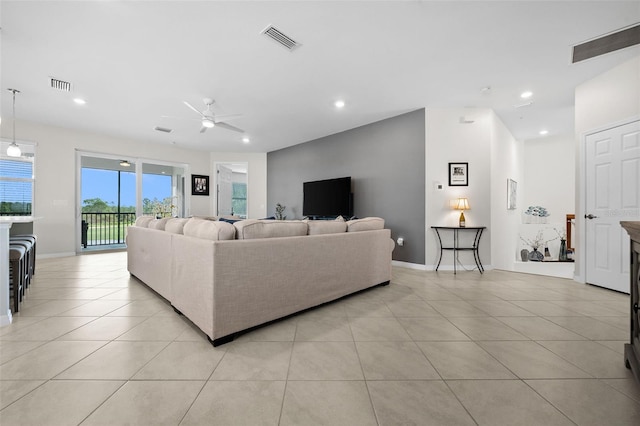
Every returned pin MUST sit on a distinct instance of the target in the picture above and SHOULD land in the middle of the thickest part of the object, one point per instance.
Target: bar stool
(28, 246)
(31, 238)
(34, 239)
(18, 266)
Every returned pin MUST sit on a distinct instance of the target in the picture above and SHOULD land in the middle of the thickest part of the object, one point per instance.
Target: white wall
(549, 175)
(55, 171)
(256, 179)
(609, 99)
(448, 141)
(506, 163)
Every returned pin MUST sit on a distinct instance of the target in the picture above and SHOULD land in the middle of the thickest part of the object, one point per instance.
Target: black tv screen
(331, 197)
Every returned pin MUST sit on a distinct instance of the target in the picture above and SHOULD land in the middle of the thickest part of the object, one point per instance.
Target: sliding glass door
(108, 201)
(113, 192)
(162, 190)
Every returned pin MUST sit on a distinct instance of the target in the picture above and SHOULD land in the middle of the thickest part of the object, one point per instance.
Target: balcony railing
(99, 229)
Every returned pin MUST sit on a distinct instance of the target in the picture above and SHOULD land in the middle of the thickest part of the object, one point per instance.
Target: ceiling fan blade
(228, 127)
(203, 129)
(227, 116)
(180, 118)
(192, 107)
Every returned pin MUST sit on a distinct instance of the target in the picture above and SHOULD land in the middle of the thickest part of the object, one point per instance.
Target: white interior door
(225, 190)
(612, 195)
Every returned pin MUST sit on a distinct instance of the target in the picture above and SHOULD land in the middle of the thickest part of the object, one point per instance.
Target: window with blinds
(16, 186)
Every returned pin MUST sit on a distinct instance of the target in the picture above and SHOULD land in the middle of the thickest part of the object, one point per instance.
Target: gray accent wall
(386, 162)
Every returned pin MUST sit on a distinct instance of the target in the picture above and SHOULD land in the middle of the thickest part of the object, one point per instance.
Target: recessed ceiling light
(526, 95)
(339, 104)
(246, 140)
(79, 101)
(544, 132)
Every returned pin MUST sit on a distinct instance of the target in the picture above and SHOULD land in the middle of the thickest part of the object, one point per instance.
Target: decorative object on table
(458, 174)
(562, 254)
(537, 243)
(536, 214)
(461, 204)
(512, 192)
(570, 252)
(536, 256)
(524, 255)
(279, 212)
(547, 255)
(199, 185)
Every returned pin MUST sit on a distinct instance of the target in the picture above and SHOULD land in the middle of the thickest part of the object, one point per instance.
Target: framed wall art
(199, 185)
(458, 174)
(512, 192)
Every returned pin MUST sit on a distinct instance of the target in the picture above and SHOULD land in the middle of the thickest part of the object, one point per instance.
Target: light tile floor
(93, 345)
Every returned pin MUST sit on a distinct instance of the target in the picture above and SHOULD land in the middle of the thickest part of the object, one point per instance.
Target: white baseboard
(408, 265)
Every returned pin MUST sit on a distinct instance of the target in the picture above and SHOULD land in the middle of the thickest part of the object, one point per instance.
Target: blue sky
(103, 184)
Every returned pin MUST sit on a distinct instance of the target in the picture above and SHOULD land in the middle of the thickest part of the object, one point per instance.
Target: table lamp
(461, 204)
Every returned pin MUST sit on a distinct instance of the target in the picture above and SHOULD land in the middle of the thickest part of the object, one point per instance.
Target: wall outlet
(400, 241)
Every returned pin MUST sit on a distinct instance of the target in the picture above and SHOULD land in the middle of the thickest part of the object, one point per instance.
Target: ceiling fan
(209, 119)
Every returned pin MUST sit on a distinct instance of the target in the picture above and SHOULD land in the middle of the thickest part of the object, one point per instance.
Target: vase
(536, 256)
(562, 255)
(524, 255)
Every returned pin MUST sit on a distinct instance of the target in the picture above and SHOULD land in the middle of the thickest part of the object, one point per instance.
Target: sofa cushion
(318, 227)
(365, 224)
(158, 223)
(205, 217)
(175, 225)
(143, 221)
(253, 228)
(208, 229)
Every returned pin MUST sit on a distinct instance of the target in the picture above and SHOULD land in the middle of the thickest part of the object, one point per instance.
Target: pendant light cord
(13, 121)
(13, 150)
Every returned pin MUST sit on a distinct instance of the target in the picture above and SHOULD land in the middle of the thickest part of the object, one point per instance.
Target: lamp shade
(461, 204)
(13, 150)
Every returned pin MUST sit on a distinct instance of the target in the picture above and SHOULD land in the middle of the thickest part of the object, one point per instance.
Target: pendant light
(13, 150)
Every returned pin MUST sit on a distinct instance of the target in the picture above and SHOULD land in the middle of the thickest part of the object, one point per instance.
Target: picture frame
(199, 185)
(512, 193)
(458, 174)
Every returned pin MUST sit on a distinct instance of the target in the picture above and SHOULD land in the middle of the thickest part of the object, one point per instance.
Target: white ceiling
(135, 61)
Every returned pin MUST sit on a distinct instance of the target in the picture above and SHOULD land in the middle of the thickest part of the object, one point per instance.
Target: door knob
(589, 216)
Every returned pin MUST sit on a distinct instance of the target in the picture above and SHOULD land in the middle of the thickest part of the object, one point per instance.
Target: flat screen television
(328, 198)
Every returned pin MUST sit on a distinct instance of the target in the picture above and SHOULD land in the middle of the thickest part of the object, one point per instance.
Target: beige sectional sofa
(227, 278)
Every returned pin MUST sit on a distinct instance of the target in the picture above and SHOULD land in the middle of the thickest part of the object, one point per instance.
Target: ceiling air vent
(163, 129)
(65, 86)
(280, 38)
(609, 43)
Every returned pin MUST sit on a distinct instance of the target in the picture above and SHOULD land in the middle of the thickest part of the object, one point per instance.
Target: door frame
(580, 273)
(214, 205)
